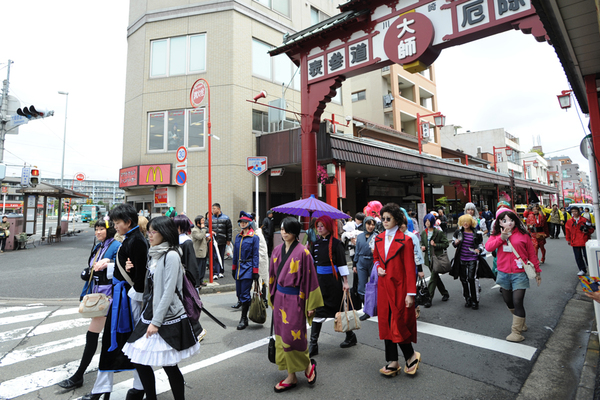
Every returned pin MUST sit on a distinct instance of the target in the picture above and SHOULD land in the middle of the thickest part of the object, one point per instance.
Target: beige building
(171, 44)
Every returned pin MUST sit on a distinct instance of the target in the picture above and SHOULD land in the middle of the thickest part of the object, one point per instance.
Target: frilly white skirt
(156, 352)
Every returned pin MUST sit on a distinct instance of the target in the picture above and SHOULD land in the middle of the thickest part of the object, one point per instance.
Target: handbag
(422, 297)
(94, 304)
(441, 264)
(258, 311)
(271, 347)
(528, 266)
(354, 295)
(370, 307)
(347, 320)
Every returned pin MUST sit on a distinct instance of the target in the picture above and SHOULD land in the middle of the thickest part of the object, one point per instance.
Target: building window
(260, 121)
(178, 56)
(317, 16)
(362, 95)
(167, 130)
(279, 69)
(281, 6)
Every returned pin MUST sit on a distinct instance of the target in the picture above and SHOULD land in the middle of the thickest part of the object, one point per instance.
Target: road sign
(25, 175)
(181, 154)
(256, 165)
(181, 177)
(80, 176)
(197, 93)
(4, 189)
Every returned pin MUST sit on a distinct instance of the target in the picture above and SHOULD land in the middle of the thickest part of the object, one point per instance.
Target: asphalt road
(464, 352)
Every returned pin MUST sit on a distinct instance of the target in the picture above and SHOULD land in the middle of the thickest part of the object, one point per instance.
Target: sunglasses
(386, 219)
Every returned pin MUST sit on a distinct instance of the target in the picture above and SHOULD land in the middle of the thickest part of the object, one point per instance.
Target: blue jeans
(364, 272)
(581, 258)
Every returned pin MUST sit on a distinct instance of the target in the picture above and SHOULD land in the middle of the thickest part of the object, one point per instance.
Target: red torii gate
(371, 34)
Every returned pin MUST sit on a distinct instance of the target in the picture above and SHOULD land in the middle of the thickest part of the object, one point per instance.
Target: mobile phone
(590, 284)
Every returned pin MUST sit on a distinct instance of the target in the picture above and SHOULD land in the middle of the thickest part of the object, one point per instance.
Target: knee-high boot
(512, 311)
(315, 331)
(244, 320)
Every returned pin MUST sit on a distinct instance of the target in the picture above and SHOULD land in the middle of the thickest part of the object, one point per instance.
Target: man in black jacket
(221, 225)
(268, 230)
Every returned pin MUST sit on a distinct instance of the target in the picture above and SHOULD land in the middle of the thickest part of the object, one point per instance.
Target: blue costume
(245, 263)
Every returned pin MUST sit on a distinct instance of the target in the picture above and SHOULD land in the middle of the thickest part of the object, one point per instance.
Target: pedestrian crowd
(144, 266)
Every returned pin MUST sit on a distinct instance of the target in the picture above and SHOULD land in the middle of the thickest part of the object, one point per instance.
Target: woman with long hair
(509, 235)
(396, 290)
(164, 334)
(103, 253)
(332, 272)
(294, 295)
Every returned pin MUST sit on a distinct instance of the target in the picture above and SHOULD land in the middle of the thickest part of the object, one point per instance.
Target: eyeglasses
(152, 233)
(386, 219)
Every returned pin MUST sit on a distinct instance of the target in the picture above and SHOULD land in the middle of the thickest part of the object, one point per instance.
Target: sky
(506, 81)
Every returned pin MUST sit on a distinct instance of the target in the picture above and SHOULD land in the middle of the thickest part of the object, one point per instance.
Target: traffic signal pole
(4, 118)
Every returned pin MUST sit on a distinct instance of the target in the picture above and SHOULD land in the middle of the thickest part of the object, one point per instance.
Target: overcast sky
(508, 81)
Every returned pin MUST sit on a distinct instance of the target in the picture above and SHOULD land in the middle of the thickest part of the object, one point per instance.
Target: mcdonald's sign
(155, 174)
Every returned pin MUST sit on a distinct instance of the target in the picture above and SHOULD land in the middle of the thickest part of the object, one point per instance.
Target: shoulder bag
(440, 264)
(346, 320)
(370, 307)
(94, 304)
(528, 266)
(258, 311)
(422, 297)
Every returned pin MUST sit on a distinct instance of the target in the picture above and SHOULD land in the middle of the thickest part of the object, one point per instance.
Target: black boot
(264, 295)
(244, 320)
(135, 394)
(313, 348)
(350, 340)
(237, 305)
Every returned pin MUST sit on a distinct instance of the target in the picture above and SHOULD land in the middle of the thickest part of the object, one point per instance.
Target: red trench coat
(400, 279)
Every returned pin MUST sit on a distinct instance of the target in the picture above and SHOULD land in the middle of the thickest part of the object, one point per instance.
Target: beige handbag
(94, 304)
(527, 266)
(346, 320)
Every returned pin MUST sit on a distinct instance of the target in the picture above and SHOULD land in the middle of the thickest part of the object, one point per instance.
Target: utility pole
(4, 118)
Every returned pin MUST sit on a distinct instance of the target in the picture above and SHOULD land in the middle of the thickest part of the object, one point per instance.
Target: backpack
(190, 298)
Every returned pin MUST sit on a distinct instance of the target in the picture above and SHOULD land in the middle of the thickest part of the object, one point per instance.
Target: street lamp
(508, 154)
(334, 122)
(535, 165)
(62, 169)
(564, 99)
(439, 120)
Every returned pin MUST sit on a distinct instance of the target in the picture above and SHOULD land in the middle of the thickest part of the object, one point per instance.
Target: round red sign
(80, 176)
(408, 38)
(197, 93)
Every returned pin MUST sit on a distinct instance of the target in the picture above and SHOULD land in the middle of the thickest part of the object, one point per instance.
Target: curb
(20, 301)
(589, 372)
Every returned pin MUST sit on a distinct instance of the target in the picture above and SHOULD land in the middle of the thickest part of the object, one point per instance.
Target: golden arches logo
(154, 171)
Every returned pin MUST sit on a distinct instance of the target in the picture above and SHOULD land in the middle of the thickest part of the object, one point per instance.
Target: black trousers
(2, 243)
(201, 268)
(391, 350)
(468, 273)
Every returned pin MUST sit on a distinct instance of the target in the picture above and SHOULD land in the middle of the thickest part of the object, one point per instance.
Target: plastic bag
(229, 251)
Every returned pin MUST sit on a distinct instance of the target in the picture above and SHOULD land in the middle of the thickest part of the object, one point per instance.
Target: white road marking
(23, 318)
(32, 352)
(4, 310)
(474, 339)
(30, 331)
(41, 379)
(162, 383)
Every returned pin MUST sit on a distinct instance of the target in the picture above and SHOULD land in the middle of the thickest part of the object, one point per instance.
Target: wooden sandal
(415, 364)
(387, 371)
(313, 372)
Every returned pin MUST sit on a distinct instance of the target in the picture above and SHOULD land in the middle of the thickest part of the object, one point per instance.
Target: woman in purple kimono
(294, 297)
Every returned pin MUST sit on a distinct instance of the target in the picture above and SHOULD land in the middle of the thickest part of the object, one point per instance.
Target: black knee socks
(175, 380)
(91, 344)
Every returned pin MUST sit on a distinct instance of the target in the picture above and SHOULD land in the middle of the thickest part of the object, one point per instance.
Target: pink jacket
(507, 260)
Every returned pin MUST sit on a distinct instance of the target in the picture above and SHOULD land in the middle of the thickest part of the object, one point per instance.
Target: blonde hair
(465, 218)
(143, 223)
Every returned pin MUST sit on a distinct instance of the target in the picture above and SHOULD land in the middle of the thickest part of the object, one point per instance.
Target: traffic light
(32, 112)
(34, 177)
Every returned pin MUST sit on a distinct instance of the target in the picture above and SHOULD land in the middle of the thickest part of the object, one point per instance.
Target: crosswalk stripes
(59, 329)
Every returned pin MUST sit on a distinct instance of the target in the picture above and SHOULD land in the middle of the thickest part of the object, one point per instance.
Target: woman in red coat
(396, 289)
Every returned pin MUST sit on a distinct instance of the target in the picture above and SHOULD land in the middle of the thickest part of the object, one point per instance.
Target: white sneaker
(221, 276)
(580, 273)
(215, 277)
(202, 334)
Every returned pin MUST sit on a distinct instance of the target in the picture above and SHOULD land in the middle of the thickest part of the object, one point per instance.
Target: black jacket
(483, 268)
(267, 228)
(134, 248)
(188, 259)
(221, 225)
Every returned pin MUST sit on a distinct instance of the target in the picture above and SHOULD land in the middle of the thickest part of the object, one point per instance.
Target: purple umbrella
(310, 207)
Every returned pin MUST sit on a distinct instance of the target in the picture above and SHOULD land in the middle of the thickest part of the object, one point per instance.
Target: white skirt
(154, 351)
